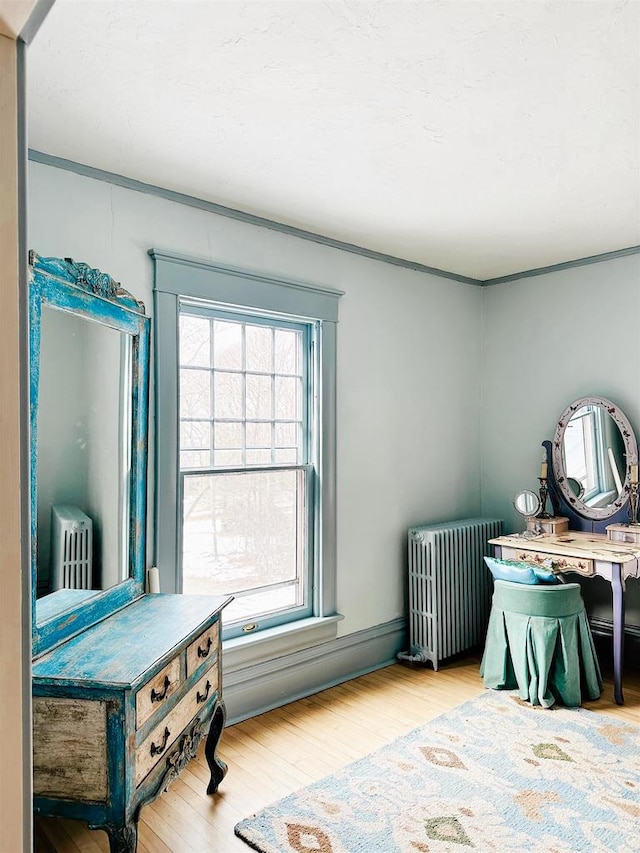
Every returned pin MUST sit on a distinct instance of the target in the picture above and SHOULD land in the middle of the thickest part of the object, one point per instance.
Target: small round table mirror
(527, 504)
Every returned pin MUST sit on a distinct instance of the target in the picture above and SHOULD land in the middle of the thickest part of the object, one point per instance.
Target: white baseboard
(260, 687)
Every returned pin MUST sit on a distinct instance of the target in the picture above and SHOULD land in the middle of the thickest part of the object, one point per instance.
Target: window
(589, 447)
(245, 442)
(247, 463)
(582, 458)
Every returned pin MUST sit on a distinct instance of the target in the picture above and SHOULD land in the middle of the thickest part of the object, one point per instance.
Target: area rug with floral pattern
(493, 774)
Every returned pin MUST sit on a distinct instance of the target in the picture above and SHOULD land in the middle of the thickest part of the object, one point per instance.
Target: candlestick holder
(544, 491)
(633, 505)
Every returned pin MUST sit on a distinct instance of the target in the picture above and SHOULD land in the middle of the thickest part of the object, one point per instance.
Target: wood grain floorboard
(283, 750)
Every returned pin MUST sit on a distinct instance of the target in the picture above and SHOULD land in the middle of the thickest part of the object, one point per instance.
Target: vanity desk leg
(617, 587)
(217, 767)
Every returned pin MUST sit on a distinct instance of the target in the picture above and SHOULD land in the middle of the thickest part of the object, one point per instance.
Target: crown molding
(292, 231)
(239, 215)
(565, 265)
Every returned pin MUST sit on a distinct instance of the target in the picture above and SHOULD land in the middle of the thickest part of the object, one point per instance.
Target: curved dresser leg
(217, 767)
(123, 839)
(617, 587)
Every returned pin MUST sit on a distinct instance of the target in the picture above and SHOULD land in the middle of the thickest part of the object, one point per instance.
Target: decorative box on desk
(555, 524)
(624, 533)
(119, 710)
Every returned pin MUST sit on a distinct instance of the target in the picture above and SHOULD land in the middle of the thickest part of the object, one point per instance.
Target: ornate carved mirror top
(593, 451)
(89, 354)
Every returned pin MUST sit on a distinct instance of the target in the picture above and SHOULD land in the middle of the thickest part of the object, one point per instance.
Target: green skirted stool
(539, 642)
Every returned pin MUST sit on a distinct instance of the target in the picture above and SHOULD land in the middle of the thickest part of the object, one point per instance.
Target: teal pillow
(510, 570)
(545, 575)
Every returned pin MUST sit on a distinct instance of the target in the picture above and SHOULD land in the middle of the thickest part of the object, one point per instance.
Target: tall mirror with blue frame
(89, 378)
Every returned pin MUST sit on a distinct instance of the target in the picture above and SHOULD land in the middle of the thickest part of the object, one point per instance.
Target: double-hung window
(245, 442)
(248, 462)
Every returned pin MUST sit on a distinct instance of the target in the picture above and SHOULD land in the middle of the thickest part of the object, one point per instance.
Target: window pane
(258, 457)
(287, 351)
(580, 454)
(227, 345)
(287, 397)
(247, 608)
(228, 435)
(258, 435)
(258, 348)
(287, 456)
(195, 459)
(195, 347)
(287, 435)
(195, 393)
(228, 458)
(227, 395)
(242, 531)
(258, 396)
(195, 435)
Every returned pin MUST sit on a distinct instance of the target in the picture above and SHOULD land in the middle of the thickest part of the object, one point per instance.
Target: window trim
(181, 277)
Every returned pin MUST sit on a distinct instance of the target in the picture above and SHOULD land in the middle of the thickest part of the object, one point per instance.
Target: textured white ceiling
(483, 138)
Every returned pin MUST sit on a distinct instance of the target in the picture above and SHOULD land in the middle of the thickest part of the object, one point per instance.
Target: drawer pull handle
(202, 697)
(158, 695)
(202, 653)
(158, 750)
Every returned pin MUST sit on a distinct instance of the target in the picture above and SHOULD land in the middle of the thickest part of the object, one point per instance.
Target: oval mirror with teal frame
(89, 390)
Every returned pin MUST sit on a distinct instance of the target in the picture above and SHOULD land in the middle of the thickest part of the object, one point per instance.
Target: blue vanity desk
(120, 709)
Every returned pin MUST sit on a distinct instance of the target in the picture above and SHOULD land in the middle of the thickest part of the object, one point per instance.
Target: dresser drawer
(202, 650)
(553, 561)
(154, 693)
(158, 742)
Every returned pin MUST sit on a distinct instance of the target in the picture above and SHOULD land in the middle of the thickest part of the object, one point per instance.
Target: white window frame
(180, 277)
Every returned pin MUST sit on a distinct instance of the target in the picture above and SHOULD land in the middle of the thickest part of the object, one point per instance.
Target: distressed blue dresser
(120, 709)
(125, 684)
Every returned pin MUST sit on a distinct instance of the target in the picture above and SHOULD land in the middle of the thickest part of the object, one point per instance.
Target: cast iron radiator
(450, 588)
(72, 548)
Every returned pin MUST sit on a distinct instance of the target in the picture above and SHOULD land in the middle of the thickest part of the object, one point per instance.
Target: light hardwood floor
(274, 754)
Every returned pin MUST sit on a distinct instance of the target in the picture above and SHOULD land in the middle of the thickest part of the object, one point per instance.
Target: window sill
(275, 642)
